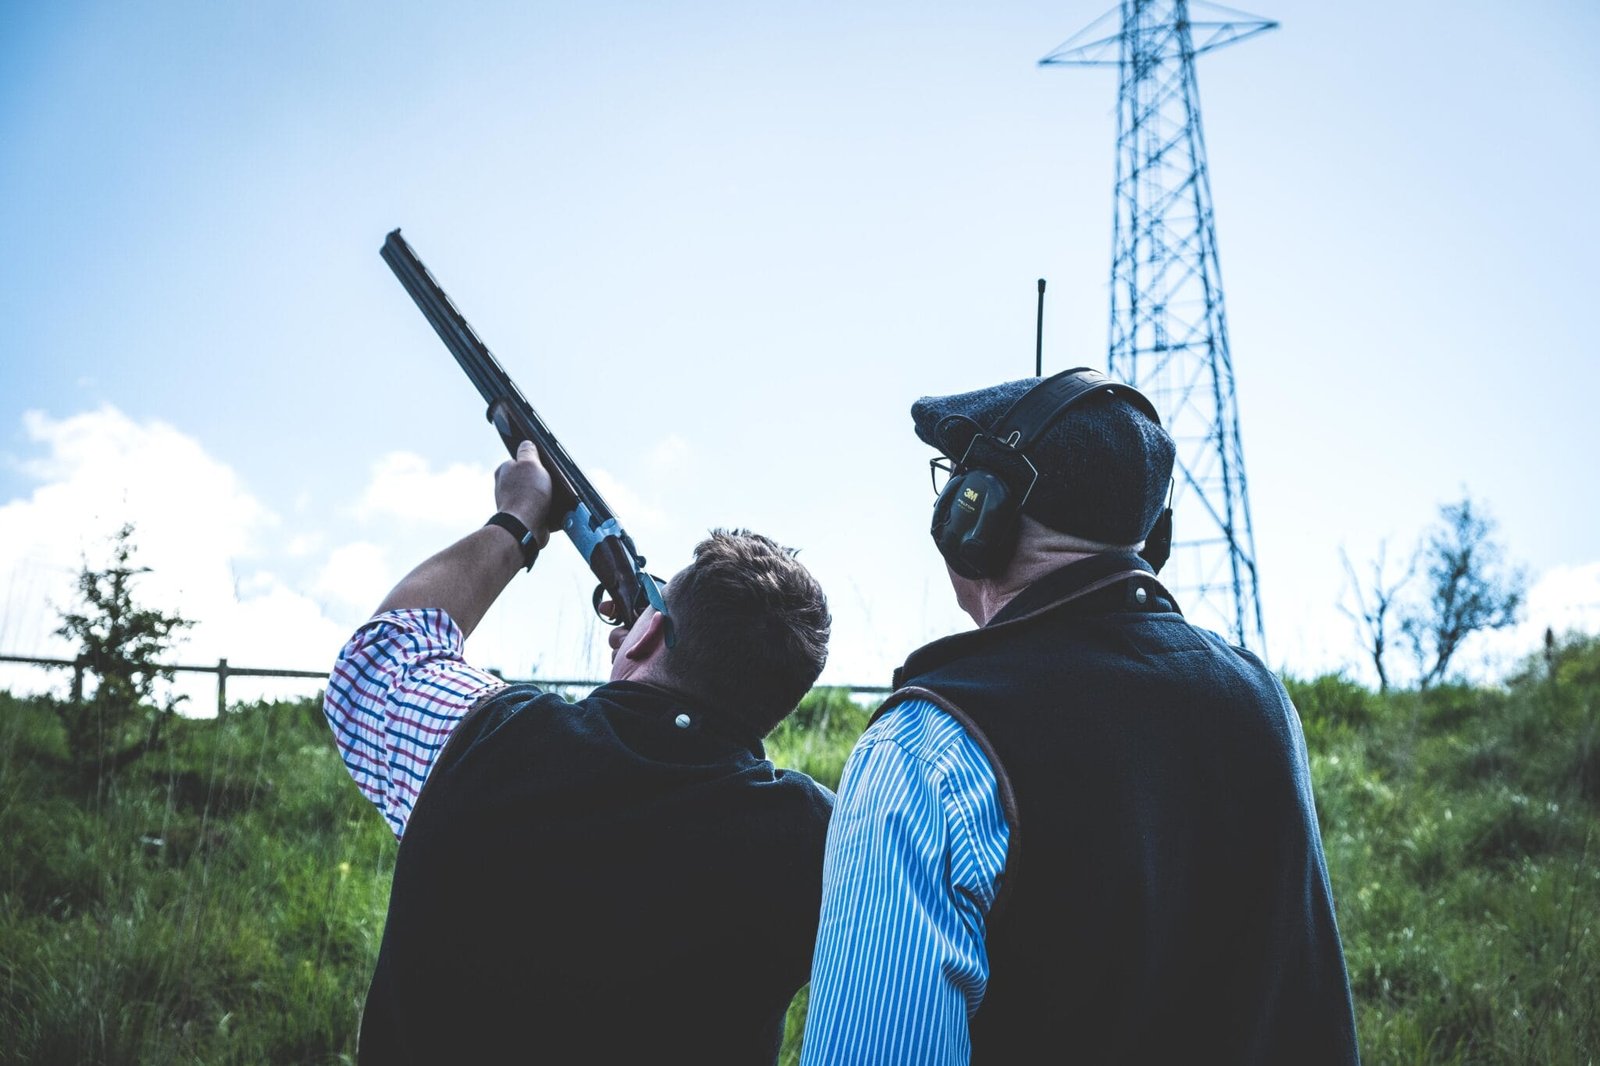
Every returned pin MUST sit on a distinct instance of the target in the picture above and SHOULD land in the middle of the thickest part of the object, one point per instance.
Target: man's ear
(652, 638)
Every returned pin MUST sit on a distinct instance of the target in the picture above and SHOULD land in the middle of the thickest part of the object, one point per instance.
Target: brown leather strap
(1093, 586)
(1008, 796)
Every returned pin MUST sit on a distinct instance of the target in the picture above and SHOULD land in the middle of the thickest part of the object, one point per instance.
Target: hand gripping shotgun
(576, 507)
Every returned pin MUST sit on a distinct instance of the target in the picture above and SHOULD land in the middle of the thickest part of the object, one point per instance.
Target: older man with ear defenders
(1083, 832)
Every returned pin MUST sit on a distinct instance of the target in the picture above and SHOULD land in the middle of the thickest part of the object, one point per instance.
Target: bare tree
(1470, 588)
(1375, 606)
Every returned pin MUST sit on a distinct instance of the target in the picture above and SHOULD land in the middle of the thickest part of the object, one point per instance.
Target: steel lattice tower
(1169, 332)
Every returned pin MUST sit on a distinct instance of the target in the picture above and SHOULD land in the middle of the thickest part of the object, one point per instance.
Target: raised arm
(465, 578)
(401, 686)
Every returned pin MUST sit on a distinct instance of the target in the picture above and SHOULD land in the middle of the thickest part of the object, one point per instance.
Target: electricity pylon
(1169, 332)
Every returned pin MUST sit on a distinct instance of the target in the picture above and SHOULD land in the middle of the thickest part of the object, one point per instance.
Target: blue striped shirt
(915, 850)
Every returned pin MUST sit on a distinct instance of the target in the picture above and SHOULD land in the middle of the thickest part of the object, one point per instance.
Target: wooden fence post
(222, 688)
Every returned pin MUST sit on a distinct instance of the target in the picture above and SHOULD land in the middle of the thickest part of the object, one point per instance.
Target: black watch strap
(525, 539)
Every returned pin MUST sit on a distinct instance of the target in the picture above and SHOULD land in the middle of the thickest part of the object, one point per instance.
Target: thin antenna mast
(1038, 337)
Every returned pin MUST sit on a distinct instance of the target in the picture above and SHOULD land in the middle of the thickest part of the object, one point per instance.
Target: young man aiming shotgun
(621, 879)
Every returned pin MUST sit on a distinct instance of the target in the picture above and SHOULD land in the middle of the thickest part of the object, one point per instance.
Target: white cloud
(261, 595)
(1565, 600)
(668, 453)
(302, 545)
(275, 626)
(193, 520)
(405, 486)
(101, 468)
(357, 575)
(626, 504)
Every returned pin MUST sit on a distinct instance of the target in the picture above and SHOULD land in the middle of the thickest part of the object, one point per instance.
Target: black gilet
(596, 883)
(1165, 897)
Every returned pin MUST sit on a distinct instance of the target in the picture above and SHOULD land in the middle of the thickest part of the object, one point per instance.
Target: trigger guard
(599, 594)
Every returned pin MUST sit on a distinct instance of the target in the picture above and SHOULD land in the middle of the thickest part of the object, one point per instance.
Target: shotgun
(576, 506)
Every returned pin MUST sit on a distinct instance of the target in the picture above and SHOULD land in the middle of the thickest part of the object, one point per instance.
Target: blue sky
(723, 247)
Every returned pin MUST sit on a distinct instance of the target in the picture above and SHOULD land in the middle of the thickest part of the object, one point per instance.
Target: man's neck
(992, 596)
(1040, 551)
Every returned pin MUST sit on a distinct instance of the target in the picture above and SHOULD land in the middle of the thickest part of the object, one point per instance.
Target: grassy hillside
(223, 900)
(1462, 827)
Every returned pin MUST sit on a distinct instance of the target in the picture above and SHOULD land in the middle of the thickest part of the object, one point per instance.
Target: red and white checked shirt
(398, 690)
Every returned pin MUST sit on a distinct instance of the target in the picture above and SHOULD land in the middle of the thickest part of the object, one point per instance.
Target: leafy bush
(1330, 702)
(119, 645)
(816, 739)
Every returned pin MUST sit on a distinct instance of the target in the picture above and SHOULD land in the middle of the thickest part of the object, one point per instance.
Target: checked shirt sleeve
(399, 688)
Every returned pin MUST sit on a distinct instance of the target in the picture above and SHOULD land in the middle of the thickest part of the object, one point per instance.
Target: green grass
(816, 739)
(223, 900)
(1462, 829)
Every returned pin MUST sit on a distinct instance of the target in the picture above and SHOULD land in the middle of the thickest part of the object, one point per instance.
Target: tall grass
(220, 902)
(223, 900)
(816, 739)
(1462, 827)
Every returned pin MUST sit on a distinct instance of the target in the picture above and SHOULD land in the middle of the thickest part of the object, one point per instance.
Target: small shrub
(119, 645)
(1489, 759)
(816, 739)
(1511, 827)
(1577, 661)
(1446, 708)
(1331, 701)
(1584, 772)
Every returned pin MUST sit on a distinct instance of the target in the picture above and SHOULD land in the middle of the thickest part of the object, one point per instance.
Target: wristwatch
(525, 539)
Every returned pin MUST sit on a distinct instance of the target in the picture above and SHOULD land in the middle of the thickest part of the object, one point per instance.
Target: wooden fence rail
(224, 671)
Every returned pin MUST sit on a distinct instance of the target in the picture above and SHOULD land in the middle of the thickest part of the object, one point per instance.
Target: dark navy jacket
(593, 883)
(1165, 897)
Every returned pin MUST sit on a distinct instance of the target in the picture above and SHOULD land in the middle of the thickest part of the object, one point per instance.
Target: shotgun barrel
(577, 508)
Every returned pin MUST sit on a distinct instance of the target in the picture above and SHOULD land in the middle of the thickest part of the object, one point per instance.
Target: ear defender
(978, 516)
(1158, 544)
(975, 525)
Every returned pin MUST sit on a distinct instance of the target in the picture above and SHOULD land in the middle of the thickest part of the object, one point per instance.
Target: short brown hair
(751, 627)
